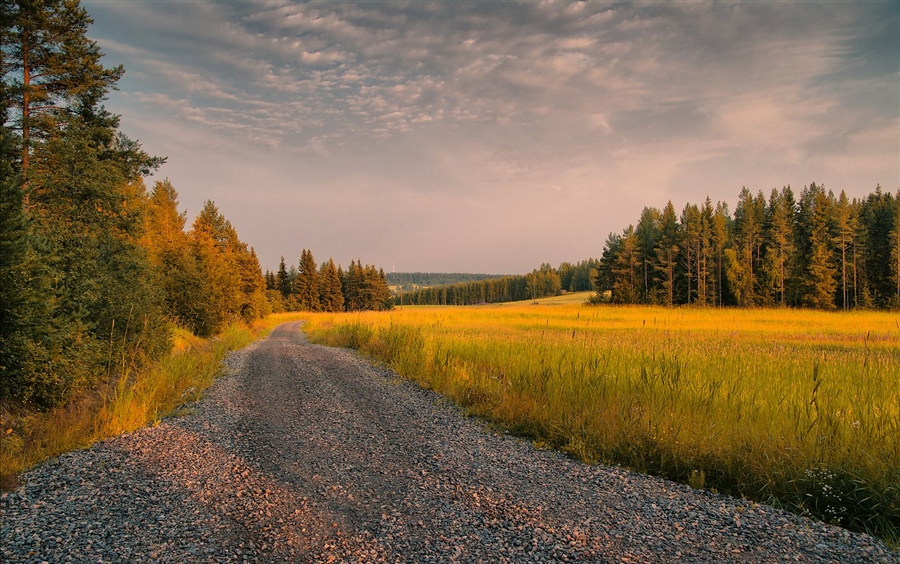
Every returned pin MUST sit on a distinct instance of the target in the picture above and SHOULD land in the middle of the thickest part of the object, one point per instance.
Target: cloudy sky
(494, 136)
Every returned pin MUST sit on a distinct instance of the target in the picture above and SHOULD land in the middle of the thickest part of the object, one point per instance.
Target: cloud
(380, 70)
(498, 105)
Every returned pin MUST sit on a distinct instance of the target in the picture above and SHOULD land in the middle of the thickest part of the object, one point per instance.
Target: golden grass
(793, 407)
(132, 400)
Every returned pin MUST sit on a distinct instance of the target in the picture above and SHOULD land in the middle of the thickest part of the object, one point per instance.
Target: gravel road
(305, 453)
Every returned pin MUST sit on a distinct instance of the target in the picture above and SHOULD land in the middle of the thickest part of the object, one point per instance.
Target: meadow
(795, 408)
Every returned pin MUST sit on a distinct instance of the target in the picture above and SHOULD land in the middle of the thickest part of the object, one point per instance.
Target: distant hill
(434, 278)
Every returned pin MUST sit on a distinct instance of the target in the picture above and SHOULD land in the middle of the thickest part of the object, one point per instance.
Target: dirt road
(310, 454)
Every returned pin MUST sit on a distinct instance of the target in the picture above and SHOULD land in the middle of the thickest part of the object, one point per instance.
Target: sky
(495, 136)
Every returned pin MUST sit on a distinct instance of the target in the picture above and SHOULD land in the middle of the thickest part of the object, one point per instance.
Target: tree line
(326, 287)
(206, 277)
(539, 283)
(819, 251)
(410, 280)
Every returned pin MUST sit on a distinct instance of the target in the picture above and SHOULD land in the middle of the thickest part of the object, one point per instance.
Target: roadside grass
(126, 402)
(798, 409)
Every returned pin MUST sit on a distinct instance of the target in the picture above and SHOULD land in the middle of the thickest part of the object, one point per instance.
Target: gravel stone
(311, 454)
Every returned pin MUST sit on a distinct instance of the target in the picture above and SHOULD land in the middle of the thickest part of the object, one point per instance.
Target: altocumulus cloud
(494, 136)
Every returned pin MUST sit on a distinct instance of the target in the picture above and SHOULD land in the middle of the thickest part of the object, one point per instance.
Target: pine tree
(51, 70)
(706, 284)
(692, 243)
(666, 251)
(845, 224)
(719, 239)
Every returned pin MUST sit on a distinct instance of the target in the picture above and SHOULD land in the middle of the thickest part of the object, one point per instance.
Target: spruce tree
(381, 293)
(350, 286)
(331, 297)
(283, 282)
(566, 272)
(168, 248)
(819, 281)
(743, 258)
(778, 237)
(221, 298)
(306, 286)
(254, 303)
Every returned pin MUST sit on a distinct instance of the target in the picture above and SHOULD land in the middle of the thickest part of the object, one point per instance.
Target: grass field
(800, 409)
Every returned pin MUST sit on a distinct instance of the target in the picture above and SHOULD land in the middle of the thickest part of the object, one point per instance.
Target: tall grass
(130, 400)
(799, 409)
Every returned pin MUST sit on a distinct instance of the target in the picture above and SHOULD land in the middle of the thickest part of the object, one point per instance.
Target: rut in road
(308, 453)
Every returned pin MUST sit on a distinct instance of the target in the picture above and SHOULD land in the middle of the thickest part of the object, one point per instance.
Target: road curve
(305, 453)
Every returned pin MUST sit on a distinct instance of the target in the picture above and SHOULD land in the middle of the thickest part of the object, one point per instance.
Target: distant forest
(819, 251)
(409, 280)
(541, 282)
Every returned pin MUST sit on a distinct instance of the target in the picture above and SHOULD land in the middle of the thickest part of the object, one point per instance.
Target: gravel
(311, 454)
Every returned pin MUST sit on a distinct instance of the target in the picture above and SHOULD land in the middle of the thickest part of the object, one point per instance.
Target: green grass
(799, 409)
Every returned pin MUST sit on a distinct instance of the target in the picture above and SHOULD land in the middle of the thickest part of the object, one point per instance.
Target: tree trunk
(844, 267)
(26, 110)
(855, 288)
